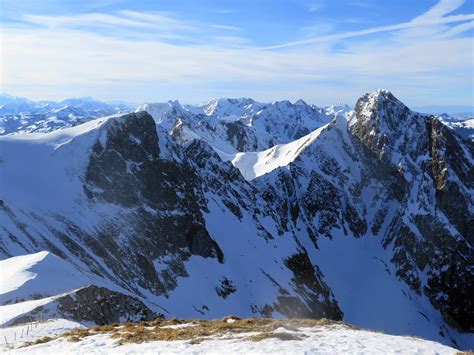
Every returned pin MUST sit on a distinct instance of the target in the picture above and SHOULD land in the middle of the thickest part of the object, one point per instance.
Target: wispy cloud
(442, 8)
(321, 27)
(158, 19)
(138, 25)
(433, 17)
(167, 57)
(315, 6)
(226, 27)
(122, 20)
(453, 31)
(92, 20)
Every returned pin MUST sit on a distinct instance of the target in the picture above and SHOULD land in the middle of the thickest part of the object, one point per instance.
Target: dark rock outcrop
(91, 305)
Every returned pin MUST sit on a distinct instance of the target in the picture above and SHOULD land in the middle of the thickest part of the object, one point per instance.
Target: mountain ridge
(166, 214)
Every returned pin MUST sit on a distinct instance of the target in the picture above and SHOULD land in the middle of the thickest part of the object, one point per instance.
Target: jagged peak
(226, 105)
(388, 127)
(377, 97)
(283, 103)
(380, 108)
(300, 102)
(161, 112)
(333, 110)
(298, 105)
(235, 100)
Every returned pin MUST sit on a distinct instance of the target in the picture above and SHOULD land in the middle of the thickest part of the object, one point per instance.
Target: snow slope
(18, 336)
(325, 339)
(378, 301)
(34, 280)
(10, 312)
(255, 164)
(38, 275)
(52, 150)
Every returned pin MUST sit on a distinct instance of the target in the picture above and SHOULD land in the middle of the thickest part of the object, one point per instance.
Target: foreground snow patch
(20, 335)
(334, 338)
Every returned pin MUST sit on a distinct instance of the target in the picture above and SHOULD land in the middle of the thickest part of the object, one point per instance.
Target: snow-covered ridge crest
(240, 125)
(255, 164)
(59, 137)
(224, 107)
(35, 283)
(31, 276)
(64, 152)
(160, 111)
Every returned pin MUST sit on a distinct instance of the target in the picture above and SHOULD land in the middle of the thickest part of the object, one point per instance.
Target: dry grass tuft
(102, 328)
(38, 341)
(77, 334)
(198, 330)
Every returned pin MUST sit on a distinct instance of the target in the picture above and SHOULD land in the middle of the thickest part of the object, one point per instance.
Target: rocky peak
(387, 127)
(301, 102)
(165, 113)
(382, 111)
(228, 106)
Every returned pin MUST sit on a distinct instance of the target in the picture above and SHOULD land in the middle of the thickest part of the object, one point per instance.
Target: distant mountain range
(20, 115)
(457, 111)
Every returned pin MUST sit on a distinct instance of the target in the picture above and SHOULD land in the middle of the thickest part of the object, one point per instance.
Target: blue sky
(324, 51)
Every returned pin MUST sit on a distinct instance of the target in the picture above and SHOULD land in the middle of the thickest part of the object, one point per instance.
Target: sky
(323, 51)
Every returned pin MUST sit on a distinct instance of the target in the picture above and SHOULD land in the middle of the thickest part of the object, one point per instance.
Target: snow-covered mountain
(20, 115)
(282, 210)
(240, 125)
(462, 126)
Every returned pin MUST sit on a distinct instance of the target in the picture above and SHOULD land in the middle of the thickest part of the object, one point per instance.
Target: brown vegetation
(198, 330)
(38, 341)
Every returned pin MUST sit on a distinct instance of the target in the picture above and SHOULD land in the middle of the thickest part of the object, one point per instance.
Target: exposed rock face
(185, 232)
(124, 170)
(99, 305)
(91, 305)
(307, 281)
(438, 188)
(127, 170)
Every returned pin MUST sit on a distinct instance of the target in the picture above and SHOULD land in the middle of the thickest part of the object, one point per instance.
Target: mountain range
(282, 209)
(20, 115)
